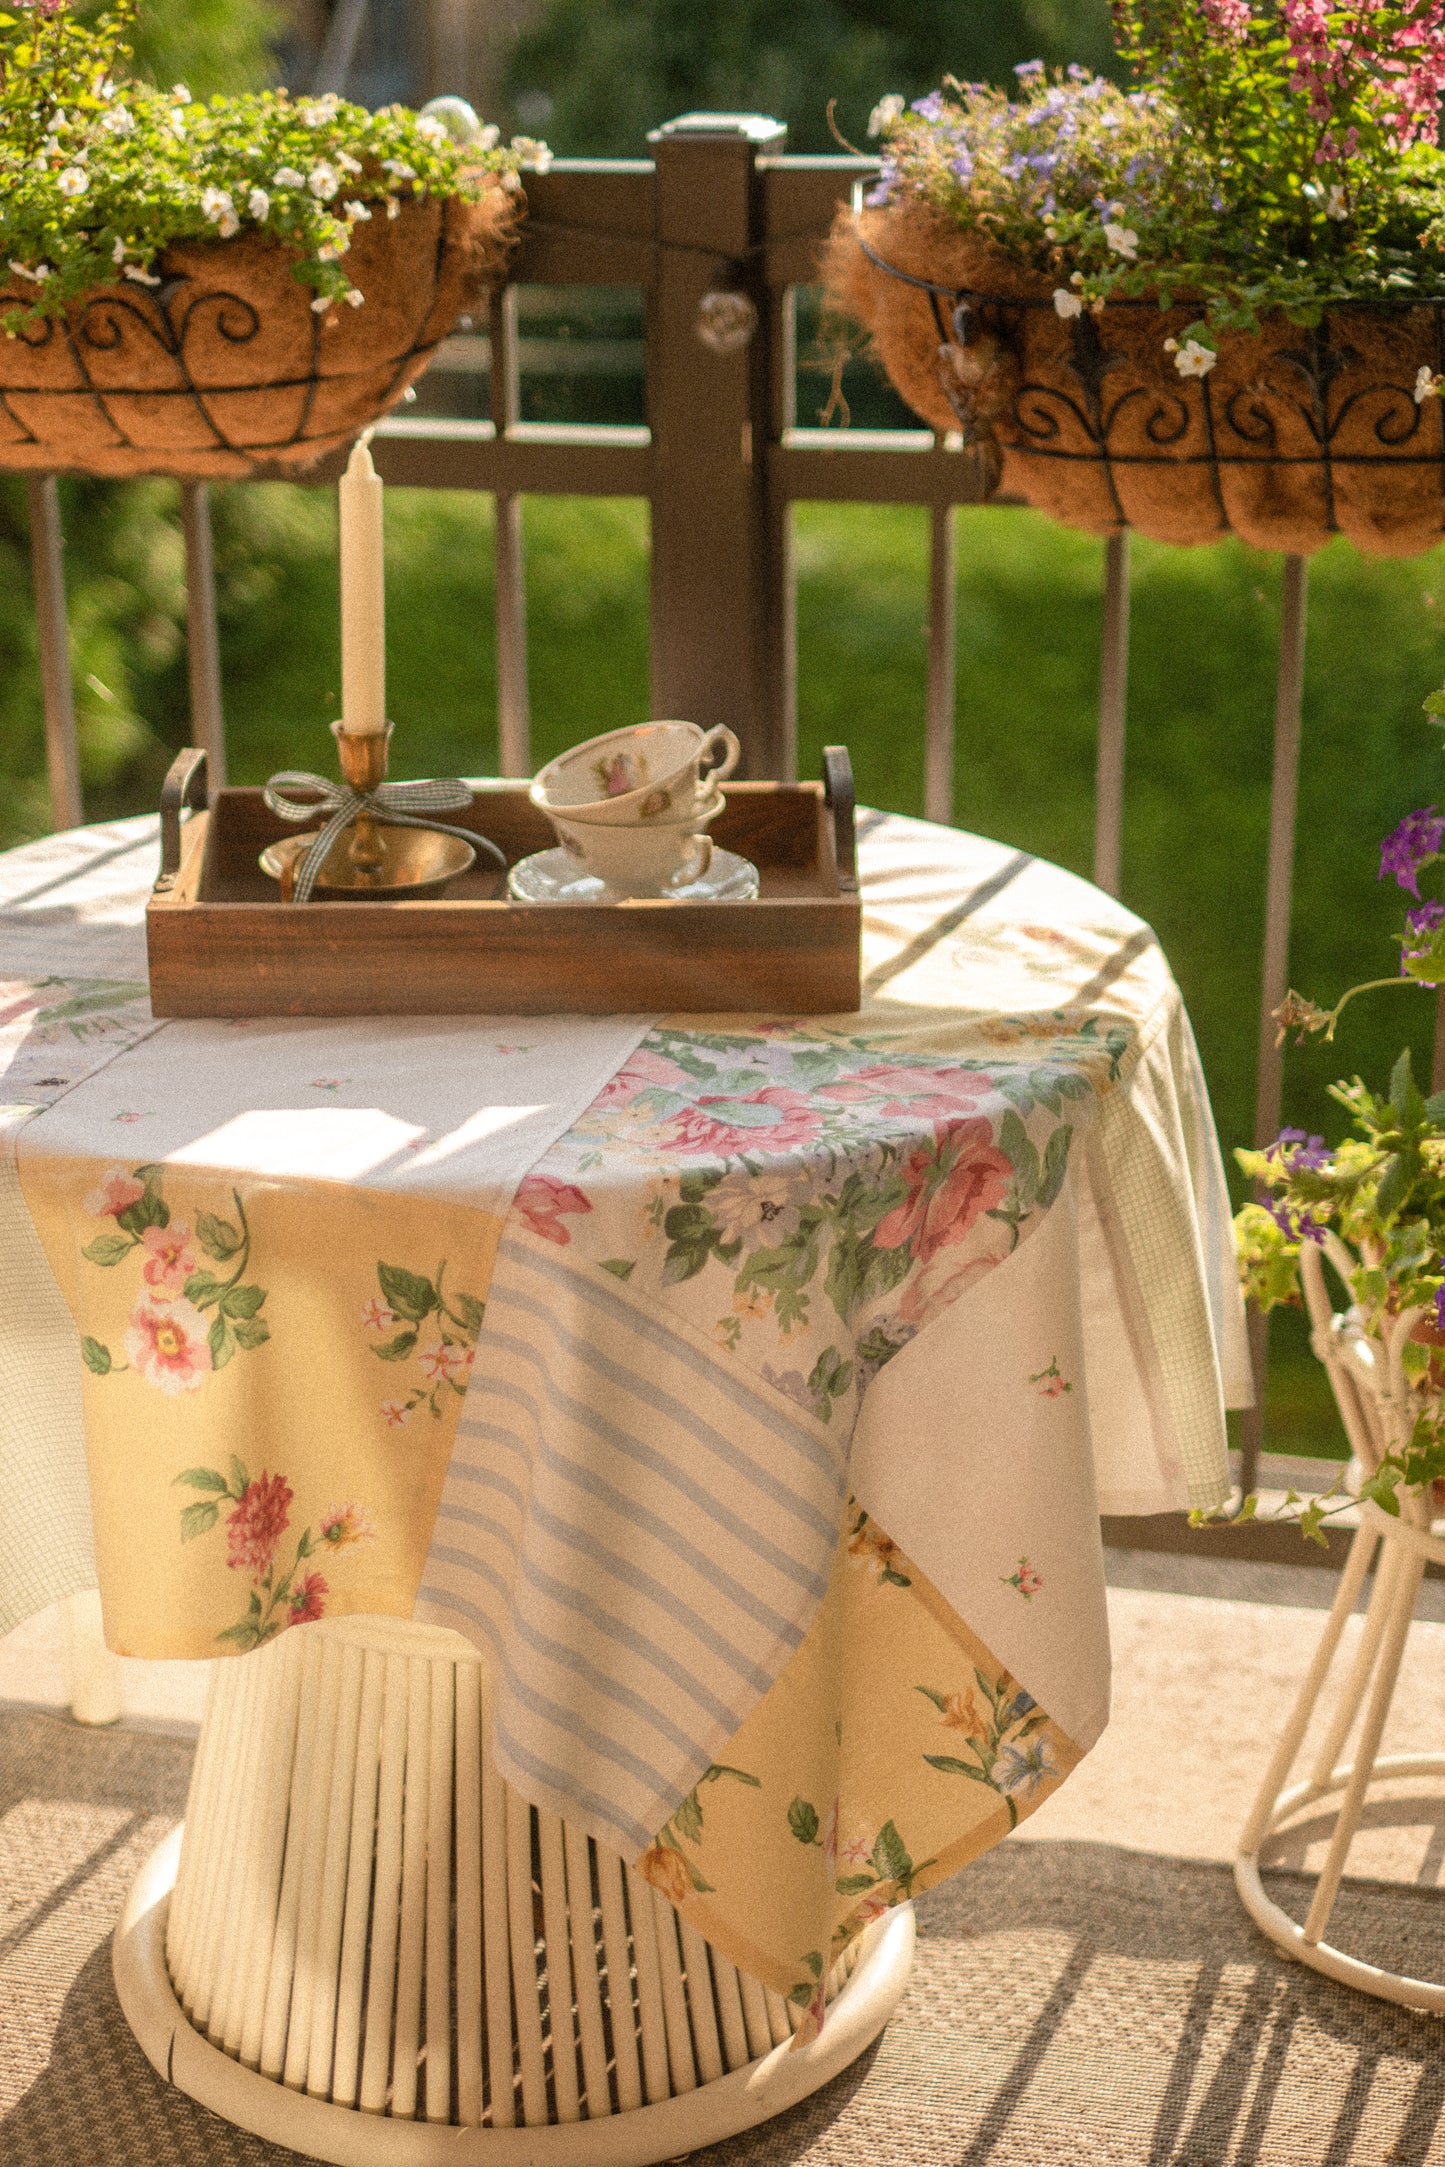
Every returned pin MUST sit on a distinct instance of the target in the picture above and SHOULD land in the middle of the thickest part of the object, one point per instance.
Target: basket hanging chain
(402, 805)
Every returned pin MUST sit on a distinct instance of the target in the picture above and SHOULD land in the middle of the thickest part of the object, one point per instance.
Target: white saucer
(551, 876)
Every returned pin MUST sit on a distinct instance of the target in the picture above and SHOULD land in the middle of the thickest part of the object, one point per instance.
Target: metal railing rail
(721, 462)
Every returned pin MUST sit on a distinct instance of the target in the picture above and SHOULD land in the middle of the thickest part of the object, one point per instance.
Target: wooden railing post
(719, 571)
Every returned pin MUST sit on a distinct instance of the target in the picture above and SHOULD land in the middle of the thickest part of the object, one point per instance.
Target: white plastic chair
(1375, 1403)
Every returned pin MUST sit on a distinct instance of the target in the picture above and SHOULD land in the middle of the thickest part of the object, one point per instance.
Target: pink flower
(857, 1851)
(167, 1344)
(643, 1072)
(459, 1363)
(308, 1602)
(1029, 1580)
(776, 1118)
(171, 1260)
(932, 1094)
(434, 1360)
(542, 1201)
(117, 1192)
(395, 1412)
(343, 1524)
(376, 1316)
(256, 1523)
(951, 1183)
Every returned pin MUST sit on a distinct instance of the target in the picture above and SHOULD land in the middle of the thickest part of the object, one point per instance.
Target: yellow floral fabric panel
(273, 1376)
(893, 1749)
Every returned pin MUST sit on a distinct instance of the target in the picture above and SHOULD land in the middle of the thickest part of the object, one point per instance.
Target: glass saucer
(551, 876)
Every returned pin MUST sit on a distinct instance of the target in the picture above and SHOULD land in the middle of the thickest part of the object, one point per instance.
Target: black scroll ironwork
(1294, 396)
(168, 316)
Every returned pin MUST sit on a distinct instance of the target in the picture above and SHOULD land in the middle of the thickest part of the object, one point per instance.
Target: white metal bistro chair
(366, 1946)
(1374, 1399)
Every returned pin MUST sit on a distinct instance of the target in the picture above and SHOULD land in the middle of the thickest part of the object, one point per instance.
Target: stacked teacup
(632, 807)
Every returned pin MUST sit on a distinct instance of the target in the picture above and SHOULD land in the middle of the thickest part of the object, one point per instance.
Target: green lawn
(1200, 711)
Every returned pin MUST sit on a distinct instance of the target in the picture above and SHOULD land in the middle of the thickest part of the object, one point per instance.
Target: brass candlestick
(363, 764)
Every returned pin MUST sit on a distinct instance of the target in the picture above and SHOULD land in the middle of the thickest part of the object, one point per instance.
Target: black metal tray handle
(838, 794)
(185, 785)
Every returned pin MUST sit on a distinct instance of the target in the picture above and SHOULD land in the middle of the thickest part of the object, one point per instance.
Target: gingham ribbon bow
(402, 805)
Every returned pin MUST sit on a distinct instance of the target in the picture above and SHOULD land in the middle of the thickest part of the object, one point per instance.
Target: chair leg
(1283, 1758)
(1402, 1609)
(1380, 1609)
(92, 1673)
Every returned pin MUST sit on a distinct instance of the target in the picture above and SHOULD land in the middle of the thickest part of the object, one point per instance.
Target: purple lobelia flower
(1298, 1152)
(1420, 923)
(1410, 846)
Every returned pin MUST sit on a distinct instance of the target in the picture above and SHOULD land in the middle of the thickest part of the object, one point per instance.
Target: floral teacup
(640, 859)
(654, 771)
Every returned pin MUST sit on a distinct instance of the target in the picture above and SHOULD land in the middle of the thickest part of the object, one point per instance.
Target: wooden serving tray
(222, 943)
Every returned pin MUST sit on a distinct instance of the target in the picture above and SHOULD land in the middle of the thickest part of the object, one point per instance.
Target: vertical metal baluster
(1113, 705)
(780, 599)
(514, 729)
(203, 642)
(62, 758)
(942, 583)
(1274, 976)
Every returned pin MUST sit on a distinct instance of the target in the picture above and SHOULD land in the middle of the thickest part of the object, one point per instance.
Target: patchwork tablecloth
(764, 1455)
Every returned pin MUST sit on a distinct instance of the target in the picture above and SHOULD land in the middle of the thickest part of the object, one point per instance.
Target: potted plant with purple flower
(1373, 1207)
(1208, 303)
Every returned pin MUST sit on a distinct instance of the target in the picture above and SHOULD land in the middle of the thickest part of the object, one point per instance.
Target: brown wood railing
(721, 461)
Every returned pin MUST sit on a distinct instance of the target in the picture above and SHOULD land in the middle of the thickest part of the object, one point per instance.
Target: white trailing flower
(57, 121)
(1338, 204)
(885, 112)
(330, 250)
(120, 120)
(357, 212)
(179, 94)
(321, 303)
(142, 278)
(1066, 303)
(323, 180)
(433, 130)
(72, 180)
(37, 277)
(1123, 240)
(347, 163)
(398, 167)
(490, 136)
(1192, 358)
(117, 254)
(534, 155)
(288, 177)
(393, 207)
(178, 127)
(216, 205)
(318, 111)
(1427, 383)
(258, 205)
(353, 297)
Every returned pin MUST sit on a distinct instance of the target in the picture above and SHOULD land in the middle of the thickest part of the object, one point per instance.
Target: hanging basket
(225, 370)
(1294, 435)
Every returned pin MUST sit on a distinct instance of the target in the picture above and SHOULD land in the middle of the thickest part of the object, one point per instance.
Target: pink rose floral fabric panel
(811, 1201)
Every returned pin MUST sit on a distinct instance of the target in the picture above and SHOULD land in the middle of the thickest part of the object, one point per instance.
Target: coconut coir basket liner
(225, 369)
(1293, 436)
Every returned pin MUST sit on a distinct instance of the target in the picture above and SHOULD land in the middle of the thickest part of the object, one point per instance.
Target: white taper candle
(363, 599)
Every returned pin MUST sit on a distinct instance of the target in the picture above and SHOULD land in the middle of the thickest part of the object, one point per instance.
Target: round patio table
(683, 1439)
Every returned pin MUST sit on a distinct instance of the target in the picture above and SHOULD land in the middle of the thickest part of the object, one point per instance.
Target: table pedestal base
(366, 1946)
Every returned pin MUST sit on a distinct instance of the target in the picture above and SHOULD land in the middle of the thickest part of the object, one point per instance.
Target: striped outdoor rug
(1073, 2006)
